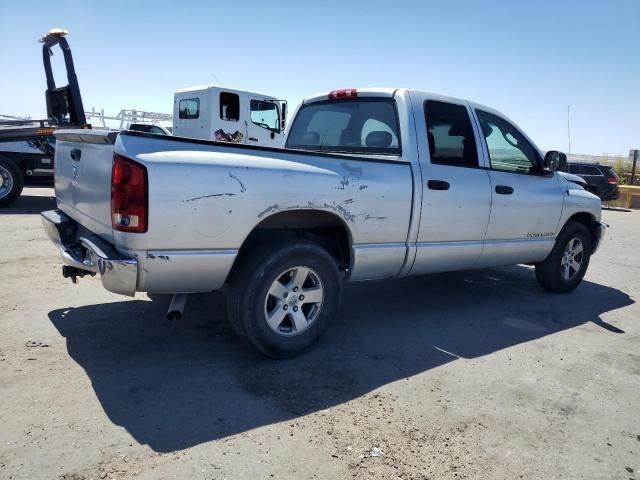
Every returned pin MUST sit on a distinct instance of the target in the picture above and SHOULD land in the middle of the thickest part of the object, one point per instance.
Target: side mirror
(283, 120)
(555, 161)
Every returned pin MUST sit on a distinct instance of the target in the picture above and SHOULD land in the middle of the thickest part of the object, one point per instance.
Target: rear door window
(229, 106)
(354, 125)
(189, 108)
(590, 171)
(450, 135)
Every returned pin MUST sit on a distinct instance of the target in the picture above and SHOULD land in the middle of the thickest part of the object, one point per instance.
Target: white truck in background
(227, 115)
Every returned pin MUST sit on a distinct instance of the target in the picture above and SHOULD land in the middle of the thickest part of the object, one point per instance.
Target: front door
(526, 205)
(456, 199)
(263, 123)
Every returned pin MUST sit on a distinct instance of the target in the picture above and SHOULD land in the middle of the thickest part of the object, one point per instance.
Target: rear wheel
(566, 265)
(282, 298)
(11, 181)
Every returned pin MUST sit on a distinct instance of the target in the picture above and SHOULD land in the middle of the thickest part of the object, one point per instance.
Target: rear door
(190, 116)
(526, 206)
(456, 200)
(229, 125)
(83, 177)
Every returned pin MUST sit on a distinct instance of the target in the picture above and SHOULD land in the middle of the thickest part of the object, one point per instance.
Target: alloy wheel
(294, 301)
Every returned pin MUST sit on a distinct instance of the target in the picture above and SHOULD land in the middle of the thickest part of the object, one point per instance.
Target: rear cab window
(349, 125)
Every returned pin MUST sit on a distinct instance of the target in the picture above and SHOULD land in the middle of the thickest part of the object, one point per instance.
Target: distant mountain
(604, 159)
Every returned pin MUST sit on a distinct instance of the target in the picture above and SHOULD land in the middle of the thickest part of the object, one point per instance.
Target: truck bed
(205, 198)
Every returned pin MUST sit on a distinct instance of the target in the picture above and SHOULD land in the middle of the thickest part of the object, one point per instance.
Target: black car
(601, 180)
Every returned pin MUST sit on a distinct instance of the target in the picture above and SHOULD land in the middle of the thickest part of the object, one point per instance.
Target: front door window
(508, 150)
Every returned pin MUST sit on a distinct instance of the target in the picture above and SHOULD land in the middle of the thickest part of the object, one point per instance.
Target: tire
(11, 181)
(558, 272)
(273, 281)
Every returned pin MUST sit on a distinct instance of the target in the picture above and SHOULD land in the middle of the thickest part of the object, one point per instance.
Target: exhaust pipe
(177, 307)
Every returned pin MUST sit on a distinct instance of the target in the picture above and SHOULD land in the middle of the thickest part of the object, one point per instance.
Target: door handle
(437, 185)
(253, 139)
(75, 153)
(504, 189)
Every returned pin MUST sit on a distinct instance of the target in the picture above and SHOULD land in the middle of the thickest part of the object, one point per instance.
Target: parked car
(149, 128)
(602, 180)
(26, 157)
(374, 183)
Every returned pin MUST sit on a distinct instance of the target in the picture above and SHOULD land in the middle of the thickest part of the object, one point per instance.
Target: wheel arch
(326, 229)
(588, 220)
(16, 162)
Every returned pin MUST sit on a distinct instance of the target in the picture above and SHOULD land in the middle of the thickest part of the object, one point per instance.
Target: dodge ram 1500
(372, 183)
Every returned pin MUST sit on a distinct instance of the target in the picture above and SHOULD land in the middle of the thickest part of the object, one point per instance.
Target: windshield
(359, 125)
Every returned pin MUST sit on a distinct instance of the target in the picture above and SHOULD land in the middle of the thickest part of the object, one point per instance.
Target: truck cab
(227, 115)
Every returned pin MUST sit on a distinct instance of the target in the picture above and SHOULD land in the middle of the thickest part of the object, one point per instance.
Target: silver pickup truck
(373, 183)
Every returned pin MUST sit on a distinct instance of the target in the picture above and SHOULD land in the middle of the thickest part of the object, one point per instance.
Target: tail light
(345, 93)
(129, 198)
(612, 180)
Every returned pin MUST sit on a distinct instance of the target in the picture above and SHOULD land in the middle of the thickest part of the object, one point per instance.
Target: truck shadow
(27, 204)
(175, 386)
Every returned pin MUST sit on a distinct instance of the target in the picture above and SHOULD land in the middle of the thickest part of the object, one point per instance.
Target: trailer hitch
(73, 273)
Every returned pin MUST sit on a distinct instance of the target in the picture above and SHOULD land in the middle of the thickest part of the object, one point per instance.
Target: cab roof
(391, 92)
(202, 88)
(362, 92)
(387, 92)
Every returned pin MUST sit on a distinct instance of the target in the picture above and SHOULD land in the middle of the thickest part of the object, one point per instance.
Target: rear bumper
(89, 252)
(610, 195)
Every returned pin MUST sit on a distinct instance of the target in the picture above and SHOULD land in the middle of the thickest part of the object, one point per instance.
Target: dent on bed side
(222, 194)
(226, 194)
(242, 187)
(151, 256)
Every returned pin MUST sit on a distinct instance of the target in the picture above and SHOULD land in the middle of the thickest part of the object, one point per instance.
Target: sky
(528, 60)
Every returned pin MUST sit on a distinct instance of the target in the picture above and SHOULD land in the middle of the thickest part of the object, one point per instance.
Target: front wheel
(566, 265)
(282, 298)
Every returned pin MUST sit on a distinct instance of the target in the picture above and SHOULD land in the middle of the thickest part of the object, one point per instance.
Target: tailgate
(83, 177)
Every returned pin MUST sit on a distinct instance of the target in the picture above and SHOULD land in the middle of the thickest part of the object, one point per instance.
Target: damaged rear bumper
(88, 252)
